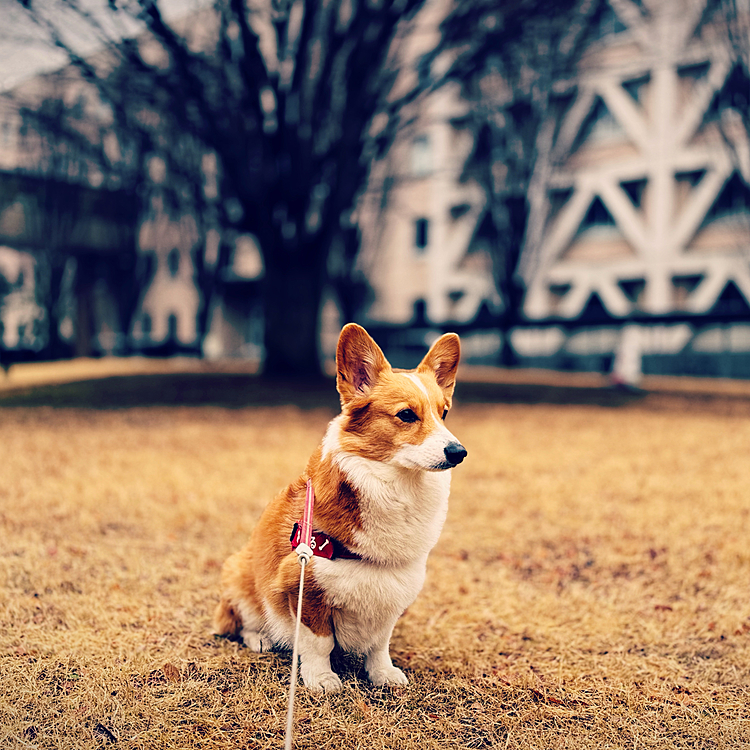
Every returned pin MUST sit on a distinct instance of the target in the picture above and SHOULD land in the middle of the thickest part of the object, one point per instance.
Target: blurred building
(122, 269)
(418, 219)
(417, 251)
(637, 247)
(20, 315)
(70, 228)
(642, 223)
(168, 307)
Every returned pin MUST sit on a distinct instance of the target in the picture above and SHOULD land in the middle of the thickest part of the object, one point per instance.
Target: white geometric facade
(415, 251)
(418, 216)
(640, 201)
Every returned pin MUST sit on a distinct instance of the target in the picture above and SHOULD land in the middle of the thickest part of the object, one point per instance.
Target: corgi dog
(381, 479)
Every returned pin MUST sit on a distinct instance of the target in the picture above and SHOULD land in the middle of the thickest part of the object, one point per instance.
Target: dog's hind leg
(226, 619)
(252, 629)
(238, 613)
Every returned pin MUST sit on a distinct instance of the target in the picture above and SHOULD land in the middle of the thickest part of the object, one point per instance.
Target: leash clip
(304, 553)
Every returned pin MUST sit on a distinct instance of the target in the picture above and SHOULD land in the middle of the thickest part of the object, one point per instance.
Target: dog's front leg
(315, 661)
(378, 663)
(316, 639)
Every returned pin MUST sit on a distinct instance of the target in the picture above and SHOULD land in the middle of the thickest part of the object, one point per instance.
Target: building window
(733, 200)
(683, 288)
(637, 87)
(421, 156)
(421, 227)
(609, 23)
(557, 292)
(597, 215)
(173, 262)
(633, 289)
(459, 210)
(172, 328)
(634, 190)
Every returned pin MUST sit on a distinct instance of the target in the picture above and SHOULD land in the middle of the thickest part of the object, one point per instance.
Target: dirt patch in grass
(590, 588)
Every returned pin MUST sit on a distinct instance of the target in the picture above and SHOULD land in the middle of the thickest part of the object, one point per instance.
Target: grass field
(591, 588)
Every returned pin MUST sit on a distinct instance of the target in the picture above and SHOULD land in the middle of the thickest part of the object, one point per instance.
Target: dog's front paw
(252, 639)
(323, 681)
(388, 676)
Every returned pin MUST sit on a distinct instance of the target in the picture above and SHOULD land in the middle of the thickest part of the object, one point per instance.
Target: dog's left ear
(442, 361)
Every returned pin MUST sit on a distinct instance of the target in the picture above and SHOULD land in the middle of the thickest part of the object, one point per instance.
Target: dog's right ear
(359, 362)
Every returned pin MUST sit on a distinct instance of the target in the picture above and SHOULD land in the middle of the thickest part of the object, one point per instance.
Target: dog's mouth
(442, 466)
(454, 454)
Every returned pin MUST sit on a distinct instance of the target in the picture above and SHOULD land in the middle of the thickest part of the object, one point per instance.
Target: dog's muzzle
(455, 453)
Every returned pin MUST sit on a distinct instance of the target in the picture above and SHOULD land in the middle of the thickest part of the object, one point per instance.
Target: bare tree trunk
(56, 347)
(293, 293)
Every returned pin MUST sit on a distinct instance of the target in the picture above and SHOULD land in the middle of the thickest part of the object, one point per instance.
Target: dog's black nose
(455, 453)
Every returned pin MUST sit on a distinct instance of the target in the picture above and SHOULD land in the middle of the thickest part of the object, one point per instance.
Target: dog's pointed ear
(359, 362)
(442, 361)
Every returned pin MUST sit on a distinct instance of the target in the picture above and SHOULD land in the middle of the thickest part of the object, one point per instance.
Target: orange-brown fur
(371, 431)
(260, 583)
(268, 560)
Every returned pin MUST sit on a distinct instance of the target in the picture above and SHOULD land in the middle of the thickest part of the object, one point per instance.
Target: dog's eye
(407, 415)
(445, 413)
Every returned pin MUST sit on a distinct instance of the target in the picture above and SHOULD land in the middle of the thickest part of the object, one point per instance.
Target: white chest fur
(367, 598)
(402, 513)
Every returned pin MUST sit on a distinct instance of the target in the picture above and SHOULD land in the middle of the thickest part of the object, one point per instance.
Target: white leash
(304, 553)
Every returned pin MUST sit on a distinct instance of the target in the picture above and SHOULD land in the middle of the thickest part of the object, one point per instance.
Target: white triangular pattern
(656, 231)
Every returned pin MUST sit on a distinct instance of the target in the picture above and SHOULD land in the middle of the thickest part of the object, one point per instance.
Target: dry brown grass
(590, 589)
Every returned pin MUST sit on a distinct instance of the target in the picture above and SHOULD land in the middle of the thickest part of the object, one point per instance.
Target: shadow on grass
(238, 390)
(229, 390)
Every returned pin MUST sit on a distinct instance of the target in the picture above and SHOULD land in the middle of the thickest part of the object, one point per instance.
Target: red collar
(323, 545)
